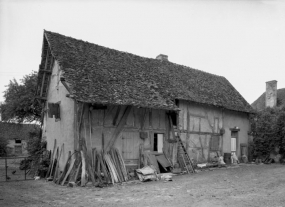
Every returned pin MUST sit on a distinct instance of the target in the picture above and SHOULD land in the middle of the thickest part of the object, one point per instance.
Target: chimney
(162, 57)
(271, 94)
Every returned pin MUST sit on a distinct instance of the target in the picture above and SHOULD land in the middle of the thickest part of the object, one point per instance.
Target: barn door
(130, 147)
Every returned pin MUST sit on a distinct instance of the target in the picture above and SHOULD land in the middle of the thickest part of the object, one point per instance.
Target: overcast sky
(243, 41)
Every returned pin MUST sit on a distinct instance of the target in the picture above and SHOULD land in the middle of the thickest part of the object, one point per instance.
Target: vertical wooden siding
(128, 142)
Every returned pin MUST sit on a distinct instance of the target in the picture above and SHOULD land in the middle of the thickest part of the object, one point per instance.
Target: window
(158, 142)
(18, 141)
(54, 110)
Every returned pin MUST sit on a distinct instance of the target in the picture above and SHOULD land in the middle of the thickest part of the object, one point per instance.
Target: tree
(268, 127)
(19, 104)
(3, 146)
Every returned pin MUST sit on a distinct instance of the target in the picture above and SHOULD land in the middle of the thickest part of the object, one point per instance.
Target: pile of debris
(273, 157)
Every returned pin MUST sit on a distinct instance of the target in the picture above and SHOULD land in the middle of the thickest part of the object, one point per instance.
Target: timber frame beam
(119, 129)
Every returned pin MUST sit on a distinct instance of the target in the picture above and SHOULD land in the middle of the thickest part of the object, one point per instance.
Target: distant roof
(97, 74)
(17, 131)
(259, 104)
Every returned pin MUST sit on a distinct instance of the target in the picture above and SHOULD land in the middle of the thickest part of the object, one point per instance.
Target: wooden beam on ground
(119, 129)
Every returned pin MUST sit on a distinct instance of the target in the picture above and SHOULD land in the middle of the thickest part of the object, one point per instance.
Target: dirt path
(247, 185)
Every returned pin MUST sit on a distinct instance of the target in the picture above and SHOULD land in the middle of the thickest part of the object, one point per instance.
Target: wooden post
(90, 128)
(83, 173)
(44, 76)
(79, 127)
(75, 126)
(57, 164)
(51, 160)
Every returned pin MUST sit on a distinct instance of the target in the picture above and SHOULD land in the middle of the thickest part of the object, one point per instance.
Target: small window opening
(54, 110)
(158, 142)
(18, 141)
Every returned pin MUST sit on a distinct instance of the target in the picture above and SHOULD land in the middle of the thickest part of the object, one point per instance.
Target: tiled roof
(97, 74)
(259, 104)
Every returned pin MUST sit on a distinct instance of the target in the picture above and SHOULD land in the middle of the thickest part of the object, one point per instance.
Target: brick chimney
(271, 94)
(162, 57)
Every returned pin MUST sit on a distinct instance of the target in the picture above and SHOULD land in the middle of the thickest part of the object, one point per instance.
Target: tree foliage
(35, 144)
(268, 127)
(3, 146)
(19, 104)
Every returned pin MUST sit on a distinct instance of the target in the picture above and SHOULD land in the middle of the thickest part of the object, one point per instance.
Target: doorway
(234, 141)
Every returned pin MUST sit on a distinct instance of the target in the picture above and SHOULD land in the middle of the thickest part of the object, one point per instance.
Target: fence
(14, 168)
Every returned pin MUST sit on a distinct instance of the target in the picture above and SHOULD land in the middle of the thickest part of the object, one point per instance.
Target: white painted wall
(62, 130)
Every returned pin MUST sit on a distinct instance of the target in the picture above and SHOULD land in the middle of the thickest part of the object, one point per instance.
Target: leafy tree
(268, 128)
(19, 104)
(35, 144)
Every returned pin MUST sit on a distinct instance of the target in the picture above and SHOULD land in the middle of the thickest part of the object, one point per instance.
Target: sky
(243, 41)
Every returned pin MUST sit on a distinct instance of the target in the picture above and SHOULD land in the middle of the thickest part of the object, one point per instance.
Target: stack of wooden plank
(82, 167)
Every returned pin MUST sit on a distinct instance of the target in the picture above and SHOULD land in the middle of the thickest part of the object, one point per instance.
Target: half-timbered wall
(200, 127)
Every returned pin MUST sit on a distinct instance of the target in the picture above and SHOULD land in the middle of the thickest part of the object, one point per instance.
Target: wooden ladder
(184, 155)
(181, 149)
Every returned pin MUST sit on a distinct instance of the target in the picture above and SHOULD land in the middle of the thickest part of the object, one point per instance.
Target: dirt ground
(244, 185)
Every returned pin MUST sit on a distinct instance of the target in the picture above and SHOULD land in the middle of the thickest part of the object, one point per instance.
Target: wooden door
(130, 146)
(234, 140)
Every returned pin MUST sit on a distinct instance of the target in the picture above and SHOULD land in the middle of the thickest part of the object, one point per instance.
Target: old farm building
(113, 98)
(17, 136)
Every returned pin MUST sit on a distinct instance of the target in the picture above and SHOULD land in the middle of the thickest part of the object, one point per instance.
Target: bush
(25, 164)
(39, 161)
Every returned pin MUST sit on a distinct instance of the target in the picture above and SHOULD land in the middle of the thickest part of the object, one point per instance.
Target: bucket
(227, 158)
